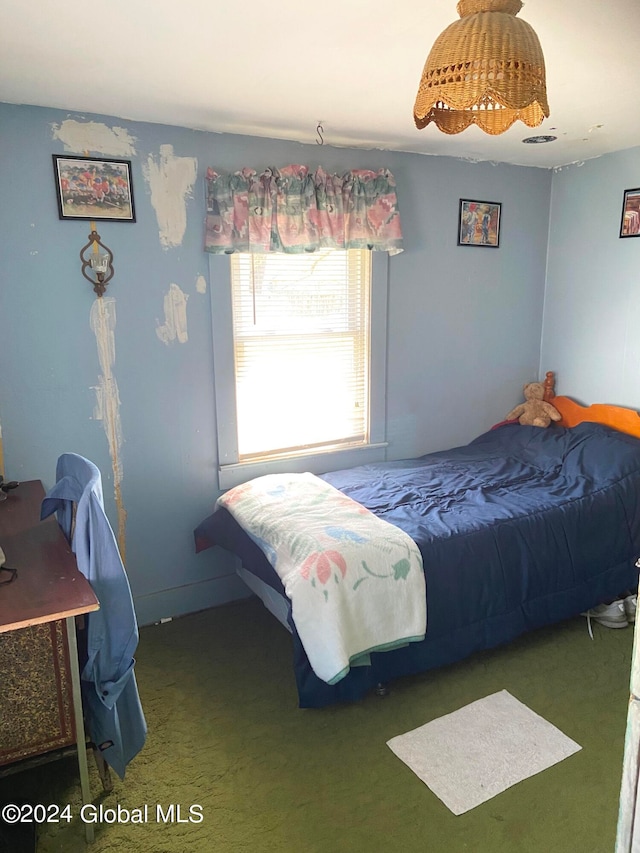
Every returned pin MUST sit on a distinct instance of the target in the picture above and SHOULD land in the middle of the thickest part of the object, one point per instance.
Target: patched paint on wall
(201, 284)
(107, 409)
(170, 180)
(95, 137)
(174, 327)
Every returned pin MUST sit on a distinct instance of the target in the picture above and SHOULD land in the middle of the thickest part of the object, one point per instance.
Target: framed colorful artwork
(94, 188)
(479, 223)
(630, 224)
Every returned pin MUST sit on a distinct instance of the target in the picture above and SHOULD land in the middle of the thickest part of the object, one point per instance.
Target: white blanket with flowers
(356, 582)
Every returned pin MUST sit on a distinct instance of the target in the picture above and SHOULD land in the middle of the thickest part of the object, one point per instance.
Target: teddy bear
(535, 411)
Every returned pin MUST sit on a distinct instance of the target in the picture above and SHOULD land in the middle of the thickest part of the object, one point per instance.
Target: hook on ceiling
(320, 131)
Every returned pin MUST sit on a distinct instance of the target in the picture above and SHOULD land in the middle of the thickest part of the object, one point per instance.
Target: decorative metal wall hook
(100, 263)
(320, 131)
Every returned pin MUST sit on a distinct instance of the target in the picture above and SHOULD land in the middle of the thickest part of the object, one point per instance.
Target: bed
(522, 528)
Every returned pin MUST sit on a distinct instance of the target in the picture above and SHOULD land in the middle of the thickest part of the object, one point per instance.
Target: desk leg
(79, 719)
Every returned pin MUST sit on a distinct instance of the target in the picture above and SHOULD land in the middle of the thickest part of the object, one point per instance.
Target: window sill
(317, 463)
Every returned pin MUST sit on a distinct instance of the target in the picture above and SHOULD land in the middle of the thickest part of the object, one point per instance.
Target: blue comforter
(520, 528)
(516, 520)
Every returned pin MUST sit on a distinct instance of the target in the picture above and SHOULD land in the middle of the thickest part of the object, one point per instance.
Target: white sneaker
(610, 615)
(630, 604)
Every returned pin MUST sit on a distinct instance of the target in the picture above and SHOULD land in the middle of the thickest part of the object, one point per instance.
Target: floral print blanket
(356, 582)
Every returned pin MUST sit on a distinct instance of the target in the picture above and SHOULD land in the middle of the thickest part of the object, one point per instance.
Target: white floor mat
(469, 756)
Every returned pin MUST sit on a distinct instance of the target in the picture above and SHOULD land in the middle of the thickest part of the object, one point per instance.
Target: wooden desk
(50, 592)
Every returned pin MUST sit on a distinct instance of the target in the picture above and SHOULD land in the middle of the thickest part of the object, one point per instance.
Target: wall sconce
(100, 263)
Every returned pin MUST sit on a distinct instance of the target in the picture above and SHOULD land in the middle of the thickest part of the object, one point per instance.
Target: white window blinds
(301, 329)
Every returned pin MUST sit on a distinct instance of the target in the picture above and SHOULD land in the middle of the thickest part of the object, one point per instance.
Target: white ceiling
(278, 69)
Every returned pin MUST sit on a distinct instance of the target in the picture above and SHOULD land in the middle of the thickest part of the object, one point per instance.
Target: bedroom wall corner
(592, 302)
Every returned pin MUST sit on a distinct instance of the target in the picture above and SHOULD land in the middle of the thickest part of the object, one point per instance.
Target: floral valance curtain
(294, 210)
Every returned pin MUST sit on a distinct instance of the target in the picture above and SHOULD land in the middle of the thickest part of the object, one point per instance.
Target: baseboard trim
(182, 600)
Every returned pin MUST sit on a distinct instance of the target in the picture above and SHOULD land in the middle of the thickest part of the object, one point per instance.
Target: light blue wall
(592, 305)
(464, 329)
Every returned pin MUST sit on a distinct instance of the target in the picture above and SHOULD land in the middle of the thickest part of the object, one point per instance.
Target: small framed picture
(93, 188)
(479, 223)
(630, 225)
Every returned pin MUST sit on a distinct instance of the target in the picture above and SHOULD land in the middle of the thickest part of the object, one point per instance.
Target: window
(301, 346)
(299, 354)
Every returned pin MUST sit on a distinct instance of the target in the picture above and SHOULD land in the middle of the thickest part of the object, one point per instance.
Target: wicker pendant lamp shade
(485, 69)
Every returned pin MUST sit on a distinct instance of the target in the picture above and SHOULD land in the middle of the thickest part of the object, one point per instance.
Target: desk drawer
(36, 701)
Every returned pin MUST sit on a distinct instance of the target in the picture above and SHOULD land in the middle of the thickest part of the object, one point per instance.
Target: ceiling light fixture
(538, 140)
(485, 69)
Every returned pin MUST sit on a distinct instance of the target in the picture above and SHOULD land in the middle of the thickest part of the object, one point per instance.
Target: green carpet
(225, 734)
